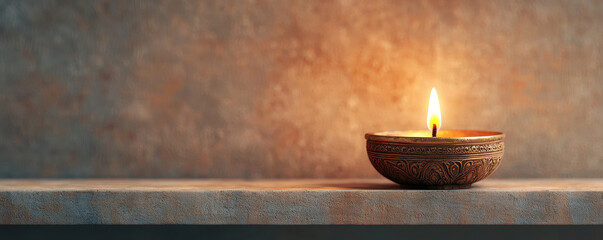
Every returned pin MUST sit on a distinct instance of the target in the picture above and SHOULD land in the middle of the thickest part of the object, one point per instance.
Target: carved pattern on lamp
(407, 148)
(431, 166)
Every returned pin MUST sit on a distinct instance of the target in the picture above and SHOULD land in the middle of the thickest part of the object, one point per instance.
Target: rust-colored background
(257, 89)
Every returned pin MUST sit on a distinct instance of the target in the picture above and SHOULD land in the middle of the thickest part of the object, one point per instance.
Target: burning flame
(433, 113)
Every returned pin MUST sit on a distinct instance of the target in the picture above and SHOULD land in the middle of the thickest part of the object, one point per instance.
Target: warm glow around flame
(433, 113)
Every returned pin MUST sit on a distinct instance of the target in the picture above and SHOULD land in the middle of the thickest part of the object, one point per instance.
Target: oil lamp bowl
(453, 160)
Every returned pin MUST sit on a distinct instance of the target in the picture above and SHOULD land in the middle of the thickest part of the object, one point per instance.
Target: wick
(434, 131)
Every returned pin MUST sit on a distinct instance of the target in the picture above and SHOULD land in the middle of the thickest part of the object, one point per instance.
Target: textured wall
(288, 88)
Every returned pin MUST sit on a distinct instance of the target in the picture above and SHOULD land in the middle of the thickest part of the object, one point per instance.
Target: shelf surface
(307, 201)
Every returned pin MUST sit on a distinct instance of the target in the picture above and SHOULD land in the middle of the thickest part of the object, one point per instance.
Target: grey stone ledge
(312, 201)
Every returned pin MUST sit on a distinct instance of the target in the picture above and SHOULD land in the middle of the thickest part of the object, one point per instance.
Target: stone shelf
(343, 201)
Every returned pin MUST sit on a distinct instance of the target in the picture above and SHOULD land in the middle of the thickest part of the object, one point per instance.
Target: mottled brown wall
(288, 88)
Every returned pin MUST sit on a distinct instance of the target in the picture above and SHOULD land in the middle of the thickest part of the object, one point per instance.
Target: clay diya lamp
(449, 159)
